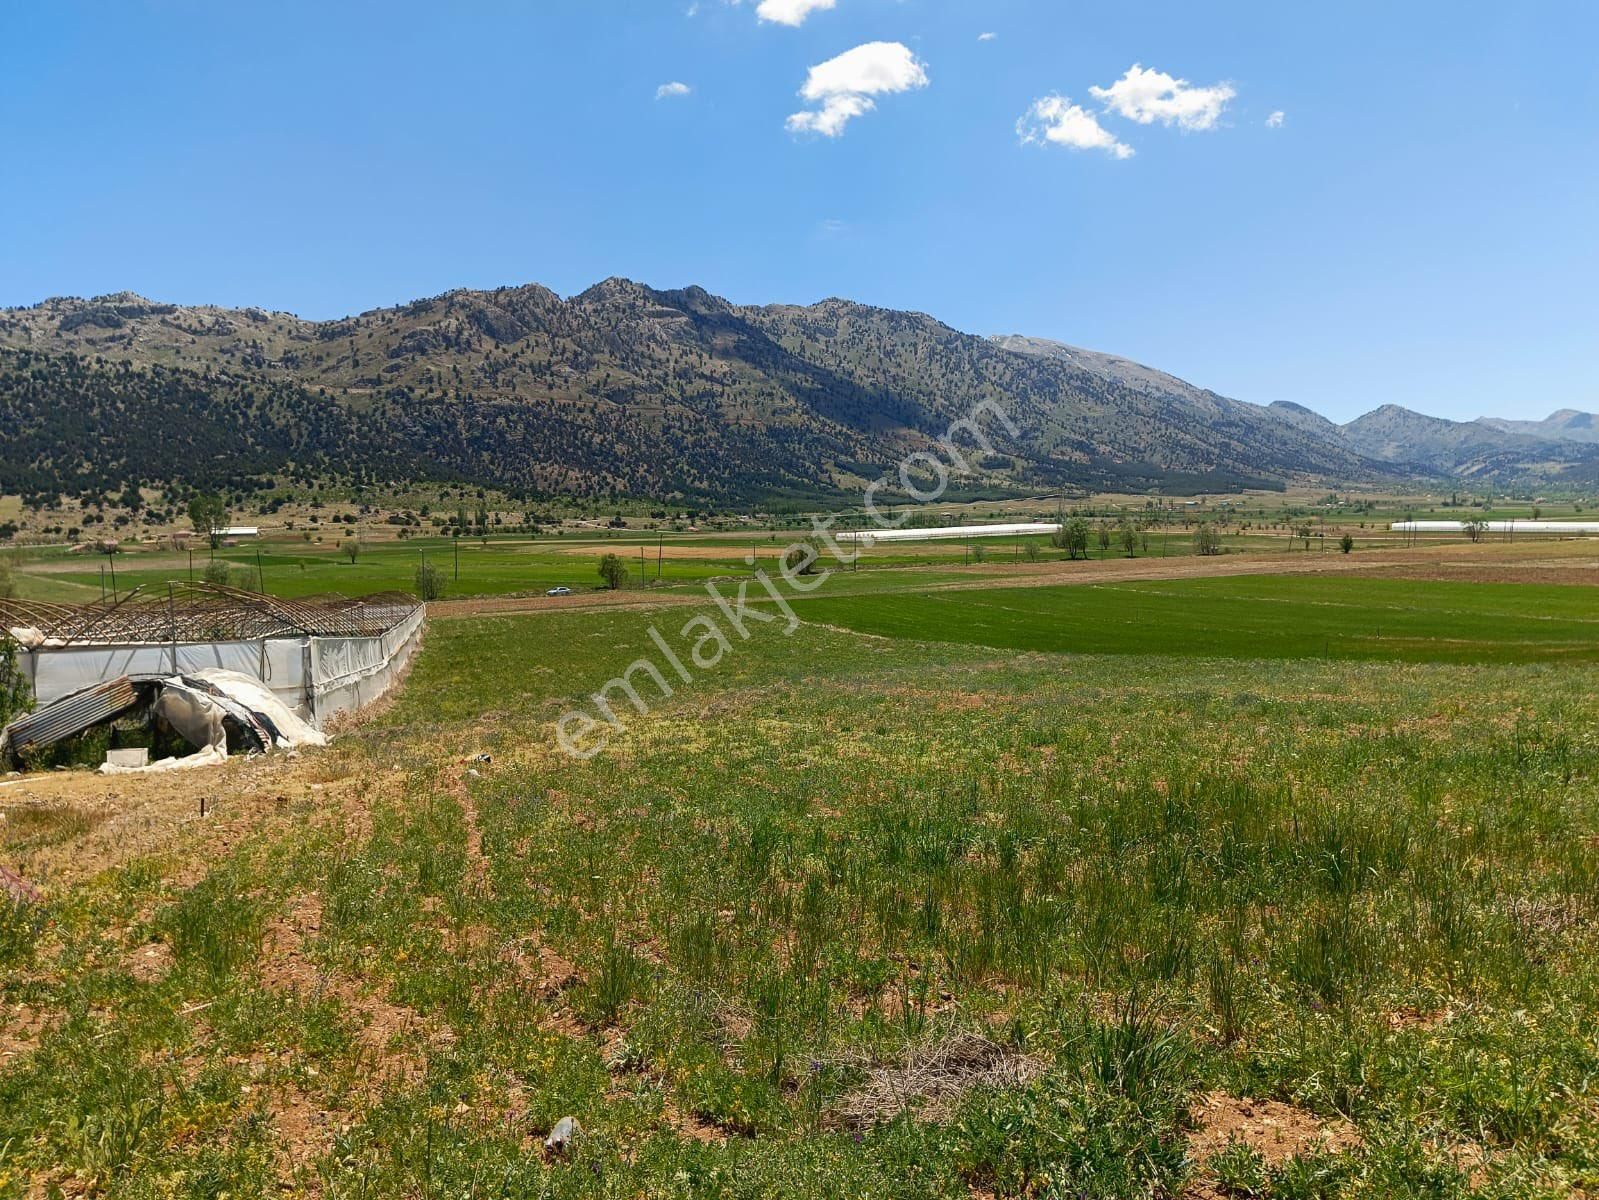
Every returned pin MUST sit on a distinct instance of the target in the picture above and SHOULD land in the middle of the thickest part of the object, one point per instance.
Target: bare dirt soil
(106, 822)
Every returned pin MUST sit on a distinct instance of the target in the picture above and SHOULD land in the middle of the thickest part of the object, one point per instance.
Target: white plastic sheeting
(868, 537)
(1512, 527)
(211, 756)
(315, 677)
(350, 673)
(198, 714)
(291, 731)
(59, 671)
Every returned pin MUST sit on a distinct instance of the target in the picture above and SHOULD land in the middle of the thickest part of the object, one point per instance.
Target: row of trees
(1074, 534)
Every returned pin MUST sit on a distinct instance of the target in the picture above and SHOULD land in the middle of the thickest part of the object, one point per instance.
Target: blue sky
(1420, 226)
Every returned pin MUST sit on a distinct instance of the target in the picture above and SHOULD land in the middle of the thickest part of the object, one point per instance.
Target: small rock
(471, 774)
(563, 1135)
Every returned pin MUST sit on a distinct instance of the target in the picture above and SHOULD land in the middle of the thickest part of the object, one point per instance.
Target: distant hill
(1566, 425)
(620, 390)
(1558, 449)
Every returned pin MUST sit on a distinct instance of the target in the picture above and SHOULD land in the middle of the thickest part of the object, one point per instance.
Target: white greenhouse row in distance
(868, 537)
(1497, 526)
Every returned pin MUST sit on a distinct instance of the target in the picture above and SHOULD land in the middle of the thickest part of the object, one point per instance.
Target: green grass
(1247, 618)
(1366, 888)
(517, 565)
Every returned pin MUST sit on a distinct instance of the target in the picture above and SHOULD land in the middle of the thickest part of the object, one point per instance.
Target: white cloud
(791, 12)
(668, 90)
(1275, 121)
(1147, 96)
(987, 37)
(1056, 121)
(842, 88)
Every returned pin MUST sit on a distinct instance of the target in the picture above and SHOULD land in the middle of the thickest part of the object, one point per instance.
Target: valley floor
(1198, 883)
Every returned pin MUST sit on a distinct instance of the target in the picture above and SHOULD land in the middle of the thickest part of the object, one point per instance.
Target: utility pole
(660, 544)
(458, 558)
(643, 571)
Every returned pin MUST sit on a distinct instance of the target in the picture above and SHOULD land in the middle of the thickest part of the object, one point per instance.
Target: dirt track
(1574, 562)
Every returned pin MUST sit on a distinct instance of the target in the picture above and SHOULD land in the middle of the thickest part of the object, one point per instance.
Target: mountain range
(624, 390)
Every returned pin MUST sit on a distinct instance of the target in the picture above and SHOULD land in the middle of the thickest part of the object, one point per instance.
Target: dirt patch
(388, 1032)
(131, 817)
(930, 1080)
(1272, 1129)
(21, 1028)
(1401, 1019)
(149, 963)
(305, 1134)
(495, 606)
(540, 969)
(690, 1127)
(477, 866)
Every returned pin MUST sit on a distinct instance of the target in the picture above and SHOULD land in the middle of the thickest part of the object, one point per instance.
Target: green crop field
(508, 566)
(1250, 618)
(1126, 891)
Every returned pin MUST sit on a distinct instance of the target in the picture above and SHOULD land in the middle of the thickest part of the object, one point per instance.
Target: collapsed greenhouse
(199, 659)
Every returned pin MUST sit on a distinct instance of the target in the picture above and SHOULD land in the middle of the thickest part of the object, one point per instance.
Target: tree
(613, 571)
(1206, 540)
(216, 571)
(801, 557)
(429, 581)
(351, 548)
(208, 513)
(1030, 551)
(1128, 537)
(1072, 537)
(1346, 543)
(1474, 528)
(1104, 537)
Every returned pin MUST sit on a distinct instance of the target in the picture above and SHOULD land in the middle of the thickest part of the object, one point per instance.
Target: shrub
(429, 582)
(613, 571)
(801, 557)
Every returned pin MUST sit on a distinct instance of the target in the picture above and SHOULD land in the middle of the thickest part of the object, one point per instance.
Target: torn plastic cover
(197, 706)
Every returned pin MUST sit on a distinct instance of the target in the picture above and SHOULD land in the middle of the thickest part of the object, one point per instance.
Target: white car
(559, 592)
